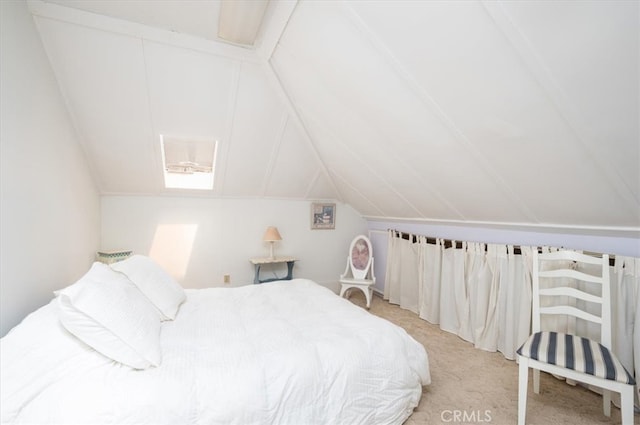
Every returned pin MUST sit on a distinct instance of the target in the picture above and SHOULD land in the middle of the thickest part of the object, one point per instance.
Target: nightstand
(259, 262)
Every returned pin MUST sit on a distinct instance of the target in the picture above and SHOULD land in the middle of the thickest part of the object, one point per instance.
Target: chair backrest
(360, 257)
(559, 274)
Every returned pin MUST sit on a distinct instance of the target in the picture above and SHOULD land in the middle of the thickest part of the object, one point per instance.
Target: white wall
(50, 215)
(198, 240)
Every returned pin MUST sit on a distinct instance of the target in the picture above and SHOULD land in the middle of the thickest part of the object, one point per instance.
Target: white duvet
(288, 352)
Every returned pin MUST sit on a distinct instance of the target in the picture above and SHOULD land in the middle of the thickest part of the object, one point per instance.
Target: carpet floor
(473, 386)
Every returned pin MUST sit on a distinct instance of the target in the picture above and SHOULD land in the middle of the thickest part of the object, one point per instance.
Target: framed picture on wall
(323, 216)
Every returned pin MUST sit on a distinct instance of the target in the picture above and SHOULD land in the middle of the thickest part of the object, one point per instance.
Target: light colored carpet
(474, 386)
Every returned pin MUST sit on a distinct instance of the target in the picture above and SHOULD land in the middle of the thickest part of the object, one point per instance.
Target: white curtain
(403, 272)
(482, 293)
(625, 311)
(454, 312)
(479, 292)
(392, 279)
(430, 276)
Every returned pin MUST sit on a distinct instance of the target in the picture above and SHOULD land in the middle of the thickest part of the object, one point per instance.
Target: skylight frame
(193, 177)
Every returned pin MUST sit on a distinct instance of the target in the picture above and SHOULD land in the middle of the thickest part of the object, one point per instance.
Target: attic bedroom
(456, 143)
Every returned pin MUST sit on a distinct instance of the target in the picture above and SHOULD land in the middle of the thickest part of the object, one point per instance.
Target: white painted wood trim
(624, 231)
(277, 17)
(571, 292)
(122, 27)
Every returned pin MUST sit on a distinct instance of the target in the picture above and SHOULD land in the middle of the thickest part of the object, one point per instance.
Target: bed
(287, 352)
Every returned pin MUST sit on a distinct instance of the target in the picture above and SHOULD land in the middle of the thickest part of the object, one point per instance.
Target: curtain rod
(448, 243)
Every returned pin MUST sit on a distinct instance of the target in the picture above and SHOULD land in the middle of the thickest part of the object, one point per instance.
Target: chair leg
(343, 290)
(536, 381)
(626, 405)
(368, 292)
(606, 402)
(523, 383)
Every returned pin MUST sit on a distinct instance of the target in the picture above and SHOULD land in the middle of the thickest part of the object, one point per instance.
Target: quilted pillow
(156, 284)
(108, 313)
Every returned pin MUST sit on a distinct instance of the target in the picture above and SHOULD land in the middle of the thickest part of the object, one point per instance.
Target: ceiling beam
(284, 119)
(273, 77)
(225, 145)
(131, 29)
(275, 21)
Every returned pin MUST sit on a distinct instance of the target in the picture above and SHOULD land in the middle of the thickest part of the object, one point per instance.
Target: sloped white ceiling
(126, 84)
(521, 113)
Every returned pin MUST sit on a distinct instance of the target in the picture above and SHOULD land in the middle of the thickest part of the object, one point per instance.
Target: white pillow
(108, 313)
(156, 284)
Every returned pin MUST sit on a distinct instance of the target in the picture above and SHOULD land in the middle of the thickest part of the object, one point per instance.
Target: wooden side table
(259, 262)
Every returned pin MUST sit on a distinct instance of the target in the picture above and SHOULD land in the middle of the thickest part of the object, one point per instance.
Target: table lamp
(271, 235)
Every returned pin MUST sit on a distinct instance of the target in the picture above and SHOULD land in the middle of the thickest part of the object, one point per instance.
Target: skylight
(188, 163)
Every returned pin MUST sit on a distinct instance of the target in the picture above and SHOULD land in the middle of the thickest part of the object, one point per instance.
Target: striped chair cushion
(576, 353)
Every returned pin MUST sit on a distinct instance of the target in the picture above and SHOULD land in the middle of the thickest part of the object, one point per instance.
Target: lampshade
(272, 234)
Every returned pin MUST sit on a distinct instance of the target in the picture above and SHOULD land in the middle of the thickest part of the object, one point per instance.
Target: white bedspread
(287, 352)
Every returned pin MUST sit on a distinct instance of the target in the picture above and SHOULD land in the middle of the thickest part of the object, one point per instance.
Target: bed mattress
(289, 352)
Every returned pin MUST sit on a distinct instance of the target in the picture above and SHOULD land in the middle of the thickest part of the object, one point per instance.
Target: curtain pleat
(409, 271)
(392, 278)
(484, 301)
(461, 291)
(448, 313)
(431, 278)
(514, 303)
(625, 284)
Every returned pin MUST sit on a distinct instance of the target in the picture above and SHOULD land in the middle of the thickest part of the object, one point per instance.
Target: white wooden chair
(359, 272)
(564, 354)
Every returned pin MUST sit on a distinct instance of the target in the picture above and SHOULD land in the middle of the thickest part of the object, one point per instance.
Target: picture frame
(323, 215)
